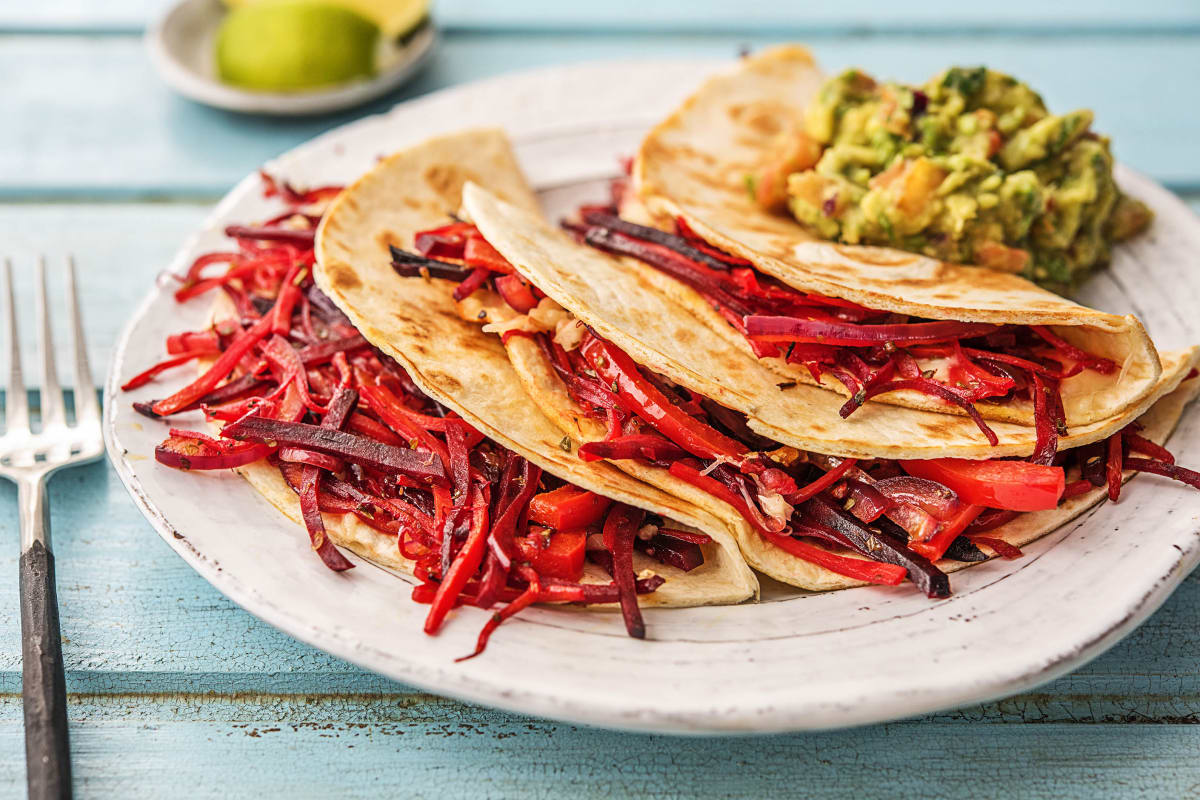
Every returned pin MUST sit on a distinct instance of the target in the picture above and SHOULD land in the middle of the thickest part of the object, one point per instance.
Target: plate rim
(772, 717)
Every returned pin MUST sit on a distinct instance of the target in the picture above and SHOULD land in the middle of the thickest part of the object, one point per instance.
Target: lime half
(294, 45)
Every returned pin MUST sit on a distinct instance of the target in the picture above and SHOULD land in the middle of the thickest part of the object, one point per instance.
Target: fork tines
(55, 442)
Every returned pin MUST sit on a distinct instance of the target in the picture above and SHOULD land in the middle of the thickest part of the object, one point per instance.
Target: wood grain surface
(174, 691)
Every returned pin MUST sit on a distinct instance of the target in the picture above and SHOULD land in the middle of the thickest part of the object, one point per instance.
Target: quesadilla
(402, 433)
(871, 323)
(673, 402)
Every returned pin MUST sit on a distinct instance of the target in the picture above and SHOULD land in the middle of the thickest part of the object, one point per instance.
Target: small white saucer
(181, 45)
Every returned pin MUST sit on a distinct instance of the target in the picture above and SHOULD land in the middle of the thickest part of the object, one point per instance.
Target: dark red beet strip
(620, 528)
(677, 243)
(636, 445)
(352, 448)
(848, 334)
(927, 387)
(924, 574)
(300, 238)
(1173, 471)
(411, 265)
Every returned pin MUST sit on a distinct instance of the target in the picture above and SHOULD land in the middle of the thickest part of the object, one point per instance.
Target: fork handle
(47, 755)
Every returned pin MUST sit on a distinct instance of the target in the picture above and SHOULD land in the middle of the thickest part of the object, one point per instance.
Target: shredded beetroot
(848, 334)
(929, 387)
(859, 347)
(1166, 469)
(352, 435)
(620, 529)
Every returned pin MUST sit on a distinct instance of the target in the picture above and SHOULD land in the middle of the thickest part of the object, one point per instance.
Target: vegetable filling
(295, 384)
(876, 521)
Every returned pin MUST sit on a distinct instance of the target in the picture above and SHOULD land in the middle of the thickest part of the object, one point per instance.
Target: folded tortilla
(415, 321)
(661, 336)
(694, 165)
(620, 304)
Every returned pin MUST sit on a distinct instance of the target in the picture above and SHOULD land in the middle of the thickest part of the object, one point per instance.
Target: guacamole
(970, 167)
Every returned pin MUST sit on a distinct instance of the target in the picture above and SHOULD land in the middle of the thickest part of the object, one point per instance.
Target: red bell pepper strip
(524, 600)
(194, 342)
(568, 508)
(824, 482)
(412, 426)
(289, 295)
(516, 293)
(558, 554)
(615, 368)
(365, 426)
(759, 521)
(448, 241)
(856, 568)
(690, 537)
(464, 565)
(217, 372)
(1014, 485)
(475, 280)
(479, 253)
(1076, 488)
(142, 378)
(1116, 456)
(620, 527)
(947, 532)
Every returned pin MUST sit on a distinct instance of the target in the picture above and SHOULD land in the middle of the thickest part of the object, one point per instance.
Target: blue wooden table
(177, 692)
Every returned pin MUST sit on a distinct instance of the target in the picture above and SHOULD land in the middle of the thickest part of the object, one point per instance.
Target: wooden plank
(755, 16)
(357, 747)
(67, 142)
(118, 248)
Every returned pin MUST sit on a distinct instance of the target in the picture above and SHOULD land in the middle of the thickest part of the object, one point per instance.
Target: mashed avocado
(971, 167)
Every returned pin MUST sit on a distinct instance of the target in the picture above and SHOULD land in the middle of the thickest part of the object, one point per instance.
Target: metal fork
(28, 459)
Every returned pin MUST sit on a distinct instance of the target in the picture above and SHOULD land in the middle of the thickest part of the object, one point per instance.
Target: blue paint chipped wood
(177, 691)
(169, 147)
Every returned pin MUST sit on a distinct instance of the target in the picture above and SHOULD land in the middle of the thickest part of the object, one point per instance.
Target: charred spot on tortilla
(342, 276)
(447, 180)
(444, 381)
(387, 239)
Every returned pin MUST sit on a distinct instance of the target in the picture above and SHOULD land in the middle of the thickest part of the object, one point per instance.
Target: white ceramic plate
(793, 661)
(181, 46)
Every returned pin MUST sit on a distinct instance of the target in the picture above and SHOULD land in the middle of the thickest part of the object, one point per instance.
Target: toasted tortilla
(806, 416)
(624, 307)
(415, 321)
(1166, 403)
(694, 165)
